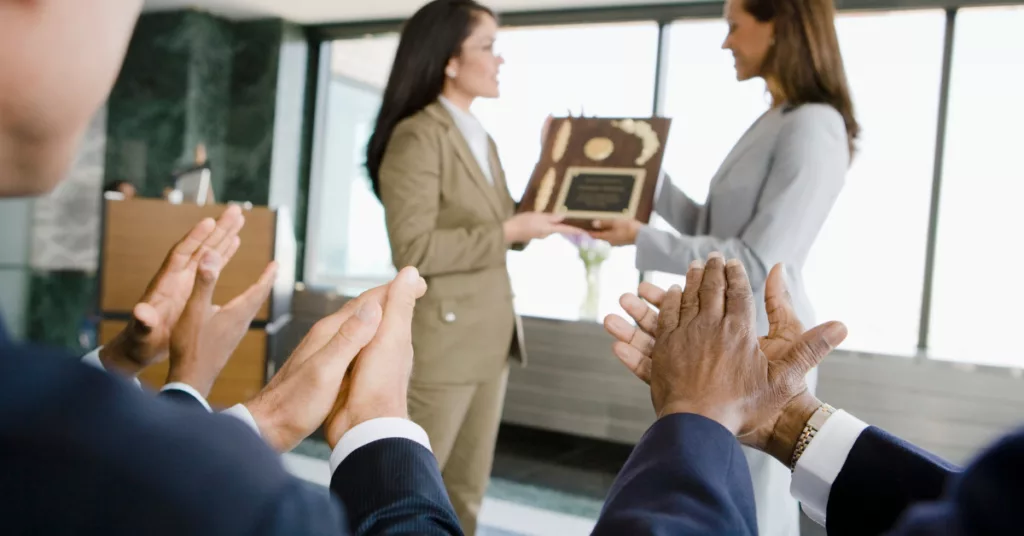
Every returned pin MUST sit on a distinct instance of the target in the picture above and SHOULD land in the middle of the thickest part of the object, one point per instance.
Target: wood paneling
(139, 233)
(241, 379)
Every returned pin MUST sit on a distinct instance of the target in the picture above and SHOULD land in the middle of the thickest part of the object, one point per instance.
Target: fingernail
(696, 265)
(209, 261)
(734, 263)
(782, 268)
(410, 275)
(676, 288)
(715, 254)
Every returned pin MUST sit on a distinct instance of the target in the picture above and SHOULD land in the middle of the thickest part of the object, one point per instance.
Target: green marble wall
(61, 307)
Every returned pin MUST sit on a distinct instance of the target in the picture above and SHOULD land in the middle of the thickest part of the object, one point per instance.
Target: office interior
(283, 96)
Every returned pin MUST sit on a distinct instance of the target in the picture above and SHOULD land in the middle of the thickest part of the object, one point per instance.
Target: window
(975, 312)
(867, 265)
(348, 241)
(599, 70)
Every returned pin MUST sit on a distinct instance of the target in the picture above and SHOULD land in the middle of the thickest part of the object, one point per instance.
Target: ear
(452, 69)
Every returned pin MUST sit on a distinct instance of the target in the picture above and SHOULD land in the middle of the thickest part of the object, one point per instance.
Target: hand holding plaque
(598, 169)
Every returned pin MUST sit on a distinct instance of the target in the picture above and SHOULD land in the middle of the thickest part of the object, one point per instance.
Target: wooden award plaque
(598, 169)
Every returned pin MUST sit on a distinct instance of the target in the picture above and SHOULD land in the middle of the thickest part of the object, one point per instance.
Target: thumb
(249, 302)
(813, 346)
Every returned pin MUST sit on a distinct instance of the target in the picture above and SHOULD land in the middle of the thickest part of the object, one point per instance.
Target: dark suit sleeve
(182, 398)
(394, 486)
(882, 476)
(687, 475)
(986, 499)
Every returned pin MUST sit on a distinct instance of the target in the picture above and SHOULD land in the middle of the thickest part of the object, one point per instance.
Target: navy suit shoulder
(414, 502)
(89, 453)
(687, 475)
(888, 474)
(985, 499)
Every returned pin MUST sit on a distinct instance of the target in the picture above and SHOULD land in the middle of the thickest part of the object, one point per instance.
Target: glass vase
(592, 298)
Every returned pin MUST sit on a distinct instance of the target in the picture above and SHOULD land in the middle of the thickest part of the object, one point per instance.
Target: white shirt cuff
(821, 462)
(375, 430)
(240, 412)
(190, 390)
(93, 359)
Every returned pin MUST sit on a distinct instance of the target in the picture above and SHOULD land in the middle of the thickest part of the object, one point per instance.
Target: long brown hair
(431, 37)
(804, 64)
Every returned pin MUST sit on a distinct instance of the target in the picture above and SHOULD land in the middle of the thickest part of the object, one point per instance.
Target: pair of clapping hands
(176, 319)
(700, 353)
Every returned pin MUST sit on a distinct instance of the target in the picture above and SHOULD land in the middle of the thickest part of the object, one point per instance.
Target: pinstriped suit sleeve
(393, 486)
(807, 173)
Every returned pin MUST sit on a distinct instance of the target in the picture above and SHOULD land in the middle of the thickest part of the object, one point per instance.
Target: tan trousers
(462, 423)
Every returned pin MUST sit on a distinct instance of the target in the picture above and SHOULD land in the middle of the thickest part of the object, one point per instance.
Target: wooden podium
(137, 235)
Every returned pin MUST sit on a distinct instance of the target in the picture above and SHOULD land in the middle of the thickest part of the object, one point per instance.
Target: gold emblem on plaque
(562, 140)
(547, 187)
(647, 135)
(597, 149)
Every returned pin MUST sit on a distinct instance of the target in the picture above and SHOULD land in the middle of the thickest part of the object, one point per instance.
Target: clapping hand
(146, 338)
(205, 335)
(755, 393)
(308, 387)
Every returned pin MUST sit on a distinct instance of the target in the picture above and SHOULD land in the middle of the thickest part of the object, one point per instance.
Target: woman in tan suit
(449, 214)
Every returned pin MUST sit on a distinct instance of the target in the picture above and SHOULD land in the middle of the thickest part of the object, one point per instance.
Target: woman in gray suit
(776, 187)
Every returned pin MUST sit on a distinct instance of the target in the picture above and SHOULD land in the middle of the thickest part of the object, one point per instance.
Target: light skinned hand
(205, 336)
(380, 376)
(527, 226)
(300, 396)
(621, 232)
(146, 338)
(789, 351)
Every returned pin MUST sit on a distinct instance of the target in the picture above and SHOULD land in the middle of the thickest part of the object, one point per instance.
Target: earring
(451, 73)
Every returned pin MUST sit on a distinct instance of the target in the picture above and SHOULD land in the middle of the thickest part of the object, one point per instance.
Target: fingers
(622, 330)
(653, 294)
(779, 304)
(249, 302)
(232, 249)
(198, 305)
(668, 318)
(352, 336)
(324, 329)
(228, 225)
(739, 297)
(691, 303)
(644, 316)
(634, 360)
(812, 347)
(186, 248)
(712, 288)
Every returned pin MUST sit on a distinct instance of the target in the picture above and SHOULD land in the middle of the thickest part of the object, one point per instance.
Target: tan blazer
(445, 218)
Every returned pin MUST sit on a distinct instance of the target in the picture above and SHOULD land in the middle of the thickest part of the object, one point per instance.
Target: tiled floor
(543, 483)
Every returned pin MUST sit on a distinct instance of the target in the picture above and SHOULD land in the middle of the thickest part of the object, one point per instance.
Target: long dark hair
(429, 40)
(805, 60)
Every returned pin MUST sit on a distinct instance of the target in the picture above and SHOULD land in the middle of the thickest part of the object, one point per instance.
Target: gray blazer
(765, 205)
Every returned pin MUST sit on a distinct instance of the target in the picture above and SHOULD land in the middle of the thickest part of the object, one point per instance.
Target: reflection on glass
(599, 70)
(976, 313)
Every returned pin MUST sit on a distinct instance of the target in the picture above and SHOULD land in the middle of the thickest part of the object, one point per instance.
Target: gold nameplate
(600, 193)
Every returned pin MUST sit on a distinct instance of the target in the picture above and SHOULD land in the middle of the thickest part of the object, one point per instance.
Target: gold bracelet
(814, 424)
